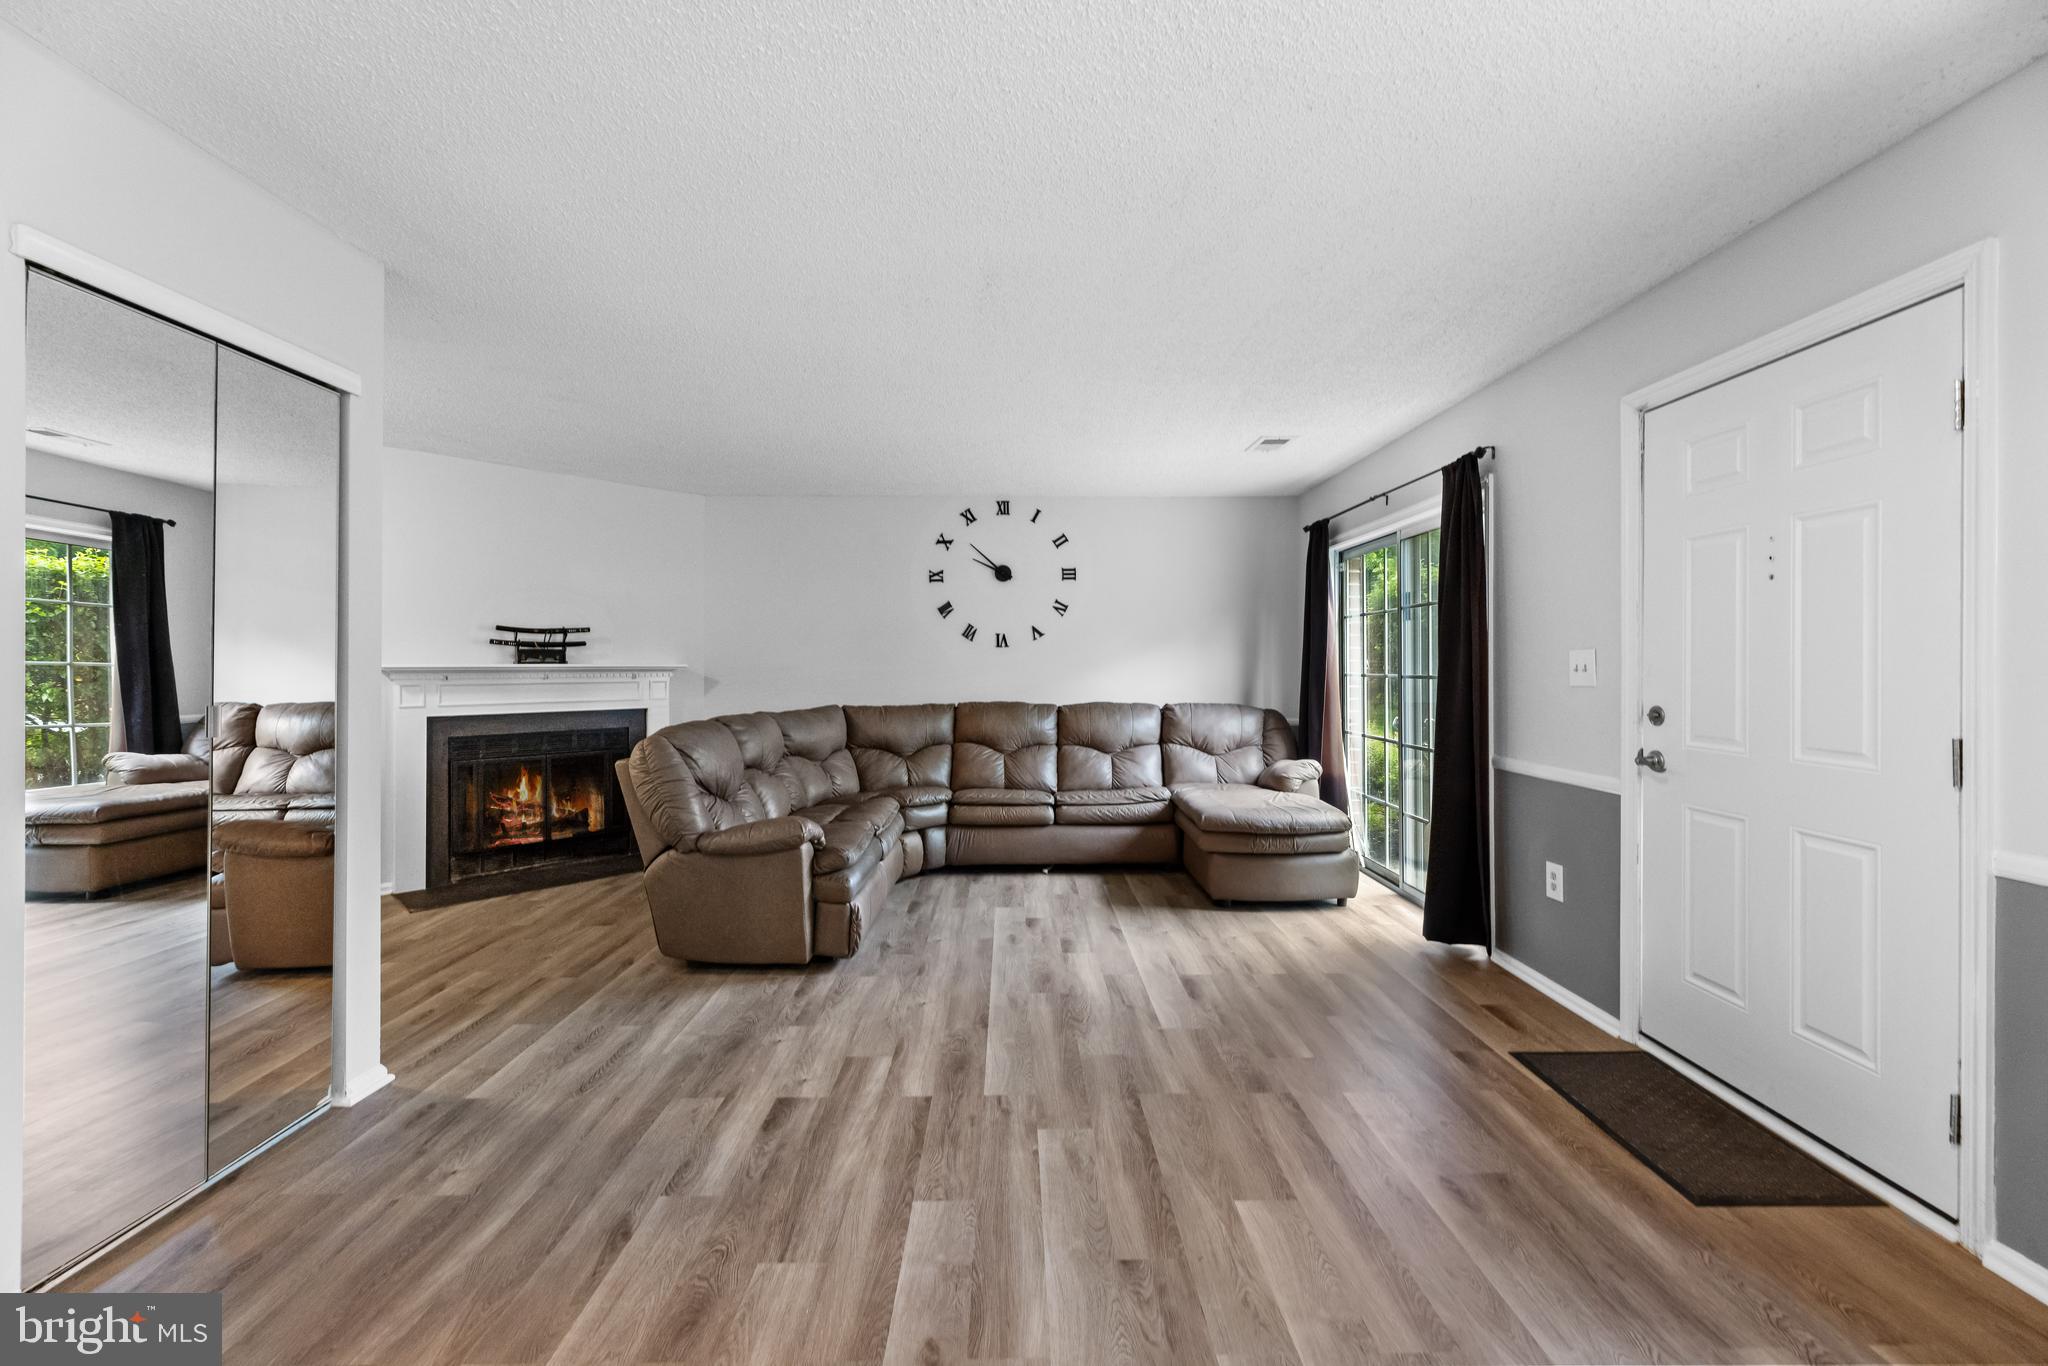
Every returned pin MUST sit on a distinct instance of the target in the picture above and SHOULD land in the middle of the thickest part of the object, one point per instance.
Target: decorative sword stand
(541, 644)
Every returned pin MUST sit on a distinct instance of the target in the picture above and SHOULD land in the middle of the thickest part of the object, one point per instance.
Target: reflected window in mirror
(69, 710)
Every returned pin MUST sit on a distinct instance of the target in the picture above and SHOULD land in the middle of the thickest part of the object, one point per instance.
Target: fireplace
(513, 797)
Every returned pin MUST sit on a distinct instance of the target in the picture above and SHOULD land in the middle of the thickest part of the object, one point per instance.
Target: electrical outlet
(1585, 671)
(1553, 881)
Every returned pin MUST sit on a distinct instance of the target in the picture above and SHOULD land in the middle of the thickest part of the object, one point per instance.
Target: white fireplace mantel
(417, 692)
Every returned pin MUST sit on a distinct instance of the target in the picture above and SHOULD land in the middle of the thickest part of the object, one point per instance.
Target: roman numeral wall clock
(1001, 574)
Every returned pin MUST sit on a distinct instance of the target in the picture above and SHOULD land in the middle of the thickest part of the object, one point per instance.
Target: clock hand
(1001, 571)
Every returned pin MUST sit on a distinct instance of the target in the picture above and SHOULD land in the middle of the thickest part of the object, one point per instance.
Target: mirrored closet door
(181, 620)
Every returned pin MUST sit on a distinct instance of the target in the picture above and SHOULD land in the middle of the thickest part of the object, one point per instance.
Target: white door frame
(1975, 270)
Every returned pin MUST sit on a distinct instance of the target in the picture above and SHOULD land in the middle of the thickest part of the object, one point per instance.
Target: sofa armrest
(762, 837)
(127, 768)
(1292, 775)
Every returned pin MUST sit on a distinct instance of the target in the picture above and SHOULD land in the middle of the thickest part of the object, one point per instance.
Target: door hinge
(1955, 1117)
(1955, 761)
(1959, 405)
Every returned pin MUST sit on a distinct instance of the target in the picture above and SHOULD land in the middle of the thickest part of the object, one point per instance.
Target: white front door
(1802, 580)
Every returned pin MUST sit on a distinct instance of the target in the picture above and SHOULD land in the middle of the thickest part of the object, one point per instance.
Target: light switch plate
(1585, 670)
(1553, 881)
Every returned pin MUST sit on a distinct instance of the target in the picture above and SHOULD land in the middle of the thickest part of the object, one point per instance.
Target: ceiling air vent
(1268, 443)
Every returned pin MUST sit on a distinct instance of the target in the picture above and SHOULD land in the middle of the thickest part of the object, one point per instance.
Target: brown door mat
(1709, 1151)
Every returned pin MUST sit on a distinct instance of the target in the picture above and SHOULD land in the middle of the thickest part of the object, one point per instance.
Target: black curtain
(142, 636)
(1321, 716)
(1455, 909)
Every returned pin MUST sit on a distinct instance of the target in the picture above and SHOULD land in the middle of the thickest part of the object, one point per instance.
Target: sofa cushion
(124, 768)
(99, 805)
(901, 746)
(274, 839)
(1005, 744)
(1109, 745)
(857, 826)
(1270, 842)
(1221, 742)
(1002, 796)
(998, 814)
(815, 763)
(1243, 809)
(1115, 806)
(923, 806)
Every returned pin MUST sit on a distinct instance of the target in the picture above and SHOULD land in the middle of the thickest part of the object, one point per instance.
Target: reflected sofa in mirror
(118, 580)
(275, 669)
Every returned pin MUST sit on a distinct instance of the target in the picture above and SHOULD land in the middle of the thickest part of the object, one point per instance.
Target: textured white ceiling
(1057, 245)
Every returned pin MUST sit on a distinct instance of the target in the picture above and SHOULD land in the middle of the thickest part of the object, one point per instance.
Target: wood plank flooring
(1065, 1117)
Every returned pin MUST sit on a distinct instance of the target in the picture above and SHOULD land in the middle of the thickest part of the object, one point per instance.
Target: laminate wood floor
(1066, 1117)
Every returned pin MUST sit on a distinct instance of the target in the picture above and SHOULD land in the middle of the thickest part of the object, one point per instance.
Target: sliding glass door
(1387, 610)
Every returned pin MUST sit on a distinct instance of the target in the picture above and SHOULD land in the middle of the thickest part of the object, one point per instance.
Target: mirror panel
(120, 416)
(277, 520)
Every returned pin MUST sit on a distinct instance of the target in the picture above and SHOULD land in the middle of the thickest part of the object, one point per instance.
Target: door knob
(1650, 759)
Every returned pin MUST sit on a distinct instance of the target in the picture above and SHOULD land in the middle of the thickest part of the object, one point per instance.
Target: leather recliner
(272, 885)
(775, 837)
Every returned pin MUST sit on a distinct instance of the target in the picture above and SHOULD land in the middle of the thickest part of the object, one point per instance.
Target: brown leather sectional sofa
(774, 837)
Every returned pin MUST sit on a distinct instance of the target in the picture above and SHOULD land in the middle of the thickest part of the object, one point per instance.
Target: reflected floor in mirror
(271, 1043)
(117, 1055)
(116, 1064)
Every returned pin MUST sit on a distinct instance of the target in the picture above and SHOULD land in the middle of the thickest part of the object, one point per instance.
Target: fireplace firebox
(512, 796)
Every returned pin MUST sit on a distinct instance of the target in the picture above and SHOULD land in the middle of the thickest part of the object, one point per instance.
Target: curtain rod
(1481, 451)
(89, 507)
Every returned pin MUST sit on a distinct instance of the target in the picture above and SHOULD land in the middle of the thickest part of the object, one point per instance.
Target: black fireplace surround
(514, 797)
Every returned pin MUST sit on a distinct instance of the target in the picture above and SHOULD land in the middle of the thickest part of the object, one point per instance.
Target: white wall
(468, 545)
(90, 170)
(188, 552)
(824, 600)
(1977, 173)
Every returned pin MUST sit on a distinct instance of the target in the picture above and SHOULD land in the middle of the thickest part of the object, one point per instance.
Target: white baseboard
(2022, 1270)
(360, 1088)
(1564, 996)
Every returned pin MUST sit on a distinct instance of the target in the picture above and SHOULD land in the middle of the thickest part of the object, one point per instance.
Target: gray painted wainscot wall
(2020, 1145)
(1576, 943)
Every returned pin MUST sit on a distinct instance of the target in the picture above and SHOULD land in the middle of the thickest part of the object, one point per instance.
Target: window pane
(1376, 833)
(49, 701)
(92, 693)
(92, 754)
(44, 569)
(90, 638)
(1393, 642)
(1417, 770)
(1418, 712)
(49, 758)
(1375, 705)
(1393, 841)
(44, 629)
(1415, 871)
(89, 573)
(1372, 638)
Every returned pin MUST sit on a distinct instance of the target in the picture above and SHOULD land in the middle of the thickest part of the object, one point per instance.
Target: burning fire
(514, 814)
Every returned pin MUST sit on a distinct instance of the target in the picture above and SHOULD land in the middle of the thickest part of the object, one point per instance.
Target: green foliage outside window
(68, 697)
